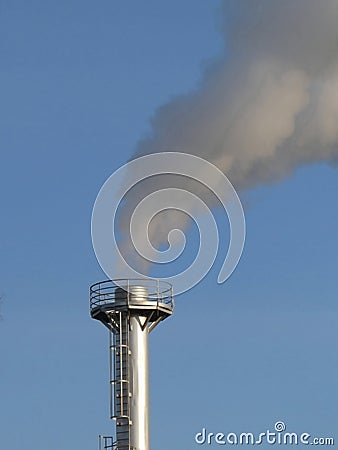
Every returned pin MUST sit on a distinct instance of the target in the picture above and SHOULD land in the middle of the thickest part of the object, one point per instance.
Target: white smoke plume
(267, 106)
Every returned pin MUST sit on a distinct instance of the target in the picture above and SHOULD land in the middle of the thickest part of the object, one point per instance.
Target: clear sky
(80, 82)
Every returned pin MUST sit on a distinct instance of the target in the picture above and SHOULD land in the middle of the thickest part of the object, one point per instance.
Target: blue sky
(79, 84)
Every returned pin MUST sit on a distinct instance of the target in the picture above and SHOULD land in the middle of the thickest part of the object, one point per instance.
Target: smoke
(267, 106)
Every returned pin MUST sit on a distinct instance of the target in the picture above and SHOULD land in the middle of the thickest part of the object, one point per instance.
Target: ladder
(119, 378)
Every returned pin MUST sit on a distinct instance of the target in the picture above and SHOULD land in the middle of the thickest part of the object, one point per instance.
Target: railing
(108, 443)
(108, 291)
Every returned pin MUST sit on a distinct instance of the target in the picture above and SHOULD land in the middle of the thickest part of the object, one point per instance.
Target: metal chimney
(130, 309)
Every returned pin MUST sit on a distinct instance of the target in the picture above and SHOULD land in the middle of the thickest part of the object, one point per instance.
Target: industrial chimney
(130, 309)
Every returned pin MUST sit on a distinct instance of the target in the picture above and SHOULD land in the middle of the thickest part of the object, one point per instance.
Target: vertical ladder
(119, 379)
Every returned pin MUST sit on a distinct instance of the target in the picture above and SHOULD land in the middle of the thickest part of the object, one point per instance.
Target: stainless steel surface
(130, 311)
(139, 384)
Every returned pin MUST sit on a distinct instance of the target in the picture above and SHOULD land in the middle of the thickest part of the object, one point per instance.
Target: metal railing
(107, 291)
(108, 443)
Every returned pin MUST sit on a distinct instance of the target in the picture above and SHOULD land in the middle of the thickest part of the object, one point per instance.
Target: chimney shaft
(130, 309)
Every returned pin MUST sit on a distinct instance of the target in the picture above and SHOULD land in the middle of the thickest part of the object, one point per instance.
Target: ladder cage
(119, 368)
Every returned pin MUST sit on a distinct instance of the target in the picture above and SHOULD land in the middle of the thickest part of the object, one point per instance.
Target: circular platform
(141, 296)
